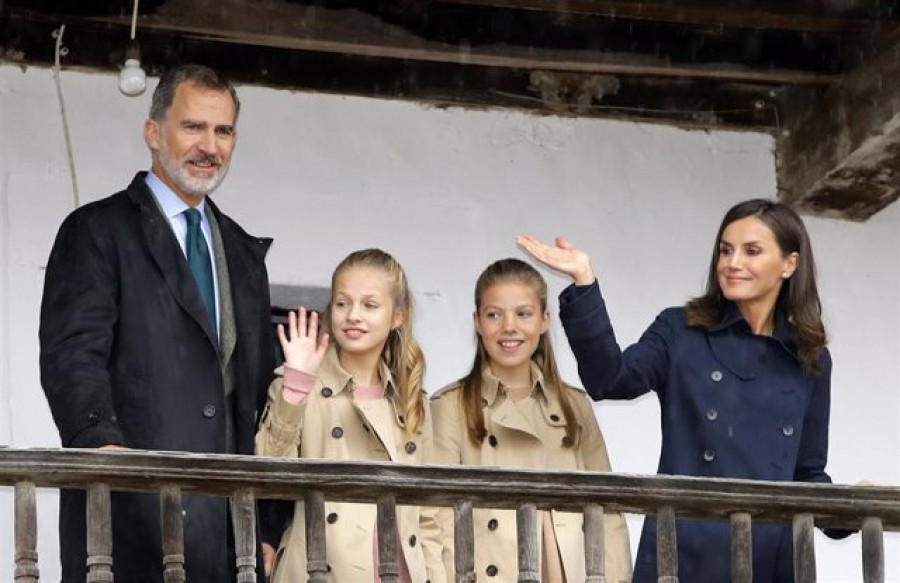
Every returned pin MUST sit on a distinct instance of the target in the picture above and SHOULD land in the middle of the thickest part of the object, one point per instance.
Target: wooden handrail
(830, 506)
(245, 479)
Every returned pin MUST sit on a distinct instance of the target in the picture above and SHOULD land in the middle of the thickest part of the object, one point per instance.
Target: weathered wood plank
(594, 544)
(463, 542)
(741, 548)
(99, 534)
(804, 549)
(388, 547)
(172, 517)
(666, 546)
(831, 505)
(243, 517)
(529, 552)
(26, 534)
(873, 551)
(316, 558)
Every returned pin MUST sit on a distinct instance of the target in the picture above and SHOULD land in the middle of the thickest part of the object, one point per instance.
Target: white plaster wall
(446, 191)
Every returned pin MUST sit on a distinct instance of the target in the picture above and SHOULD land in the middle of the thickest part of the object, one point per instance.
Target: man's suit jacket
(127, 357)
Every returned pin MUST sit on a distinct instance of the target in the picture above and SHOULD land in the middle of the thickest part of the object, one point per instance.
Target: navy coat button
(554, 417)
(491, 571)
(337, 432)
(788, 430)
(92, 416)
(712, 414)
(332, 518)
(716, 376)
(709, 455)
(114, 419)
(493, 440)
(492, 524)
(327, 392)
(412, 540)
(209, 411)
(410, 447)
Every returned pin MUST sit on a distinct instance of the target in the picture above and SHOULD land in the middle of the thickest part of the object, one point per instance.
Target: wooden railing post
(316, 563)
(26, 534)
(741, 548)
(594, 544)
(243, 516)
(529, 553)
(99, 534)
(666, 546)
(463, 542)
(873, 550)
(172, 519)
(388, 568)
(804, 549)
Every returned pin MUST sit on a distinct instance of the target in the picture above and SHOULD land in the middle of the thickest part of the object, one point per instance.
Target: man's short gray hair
(198, 75)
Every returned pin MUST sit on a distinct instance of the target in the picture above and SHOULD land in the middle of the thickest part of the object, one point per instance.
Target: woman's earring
(785, 275)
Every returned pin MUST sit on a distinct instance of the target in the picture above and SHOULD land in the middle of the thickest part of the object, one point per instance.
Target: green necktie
(201, 267)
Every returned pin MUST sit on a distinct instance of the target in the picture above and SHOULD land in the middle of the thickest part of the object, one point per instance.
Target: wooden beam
(395, 43)
(839, 155)
(784, 16)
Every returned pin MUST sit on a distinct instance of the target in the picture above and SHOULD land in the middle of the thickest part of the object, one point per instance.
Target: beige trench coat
(332, 425)
(514, 441)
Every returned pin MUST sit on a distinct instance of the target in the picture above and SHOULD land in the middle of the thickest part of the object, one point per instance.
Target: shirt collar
(170, 203)
(335, 376)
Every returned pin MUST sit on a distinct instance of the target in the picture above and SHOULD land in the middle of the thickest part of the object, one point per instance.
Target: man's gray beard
(184, 181)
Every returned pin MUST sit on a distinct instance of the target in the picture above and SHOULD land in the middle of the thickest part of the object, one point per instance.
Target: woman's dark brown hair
(798, 297)
(503, 271)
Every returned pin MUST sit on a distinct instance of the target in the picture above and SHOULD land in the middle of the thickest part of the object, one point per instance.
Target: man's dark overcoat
(128, 358)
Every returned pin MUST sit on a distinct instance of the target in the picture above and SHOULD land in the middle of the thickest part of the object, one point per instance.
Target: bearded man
(155, 329)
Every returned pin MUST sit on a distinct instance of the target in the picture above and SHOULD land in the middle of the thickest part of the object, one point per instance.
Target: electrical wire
(62, 109)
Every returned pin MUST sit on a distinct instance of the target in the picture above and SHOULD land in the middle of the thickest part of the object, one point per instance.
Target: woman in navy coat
(742, 375)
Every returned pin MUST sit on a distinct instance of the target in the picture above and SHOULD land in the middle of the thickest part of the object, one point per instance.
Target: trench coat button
(484, 402)
(492, 524)
(716, 376)
(410, 447)
(712, 414)
(327, 392)
(209, 411)
(709, 455)
(412, 540)
(491, 571)
(554, 417)
(401, 419)
(337, 432)
(493, 440)
(332, 518)
(788, 430)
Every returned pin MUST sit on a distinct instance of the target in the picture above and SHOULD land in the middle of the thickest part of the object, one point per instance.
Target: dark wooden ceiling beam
(842, 157)
(392, 43)
(791, 16)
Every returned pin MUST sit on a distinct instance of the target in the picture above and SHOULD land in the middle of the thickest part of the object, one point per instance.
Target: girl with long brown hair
(512, 409)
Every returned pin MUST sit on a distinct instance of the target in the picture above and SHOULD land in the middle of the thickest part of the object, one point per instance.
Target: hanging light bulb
(132, 78)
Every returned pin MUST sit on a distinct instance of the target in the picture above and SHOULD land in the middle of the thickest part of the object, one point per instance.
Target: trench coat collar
(336, 377)
(492, 388)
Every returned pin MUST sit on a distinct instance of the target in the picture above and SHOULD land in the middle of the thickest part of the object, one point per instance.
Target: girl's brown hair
(502, 271)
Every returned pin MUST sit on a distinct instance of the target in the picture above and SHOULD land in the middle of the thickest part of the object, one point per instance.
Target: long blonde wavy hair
(401, 352)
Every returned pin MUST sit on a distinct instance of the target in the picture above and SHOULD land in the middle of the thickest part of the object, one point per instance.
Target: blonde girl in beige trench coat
(513, 410)
(359, 398)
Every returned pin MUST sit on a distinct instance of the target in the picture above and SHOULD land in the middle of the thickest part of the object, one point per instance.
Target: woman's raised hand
(301, 351)
(562, 256)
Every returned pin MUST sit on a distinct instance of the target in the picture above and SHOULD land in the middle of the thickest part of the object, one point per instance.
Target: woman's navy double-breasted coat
(733, 404)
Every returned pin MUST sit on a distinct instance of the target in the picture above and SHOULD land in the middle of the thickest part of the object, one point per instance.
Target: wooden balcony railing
(245, 479)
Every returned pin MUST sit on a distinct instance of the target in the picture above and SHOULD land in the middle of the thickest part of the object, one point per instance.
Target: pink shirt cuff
(297, 385)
